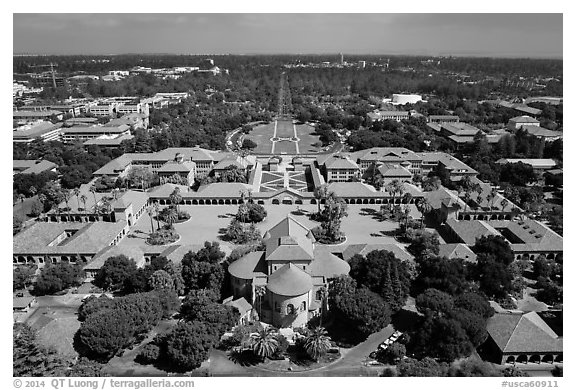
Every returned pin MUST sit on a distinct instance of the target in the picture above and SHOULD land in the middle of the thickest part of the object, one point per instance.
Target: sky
(494, 35)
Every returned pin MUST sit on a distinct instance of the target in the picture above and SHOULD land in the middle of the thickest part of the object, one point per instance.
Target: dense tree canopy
(382, 273)
(187, 345)
(57, 277)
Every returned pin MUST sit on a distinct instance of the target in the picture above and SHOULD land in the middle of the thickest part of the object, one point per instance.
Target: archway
(372, 201)
(523, 359)
(558, 359)
(298, 201)
(30, 259)
(21, 259)
(548, 359)
(194, 202)
(312, 201)
(287, 200)
(234, 202)
(365, 201)
(189, 202)
(534, 359)
(162, 202)
(220, 201)
(227, 201)
(352, 201)
(275, 201)
(510, 360)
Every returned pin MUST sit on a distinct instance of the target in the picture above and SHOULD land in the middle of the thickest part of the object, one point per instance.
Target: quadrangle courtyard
(207, 222)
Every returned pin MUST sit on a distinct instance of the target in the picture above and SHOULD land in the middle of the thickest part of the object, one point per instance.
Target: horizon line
(462, 55)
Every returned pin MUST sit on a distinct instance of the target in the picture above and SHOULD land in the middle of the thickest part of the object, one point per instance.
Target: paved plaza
(207, 222)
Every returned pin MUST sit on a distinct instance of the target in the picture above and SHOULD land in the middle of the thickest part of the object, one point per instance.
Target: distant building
(81, 122)
(109, 141)
(399, 98)
(378, 115)
(23, 116)
(538, 164)
(103, 109)
(443, 119)
(33, 166)
(83, 133)
(73, 109)
(134, 120)
(46, 131)
(339, 168)
(522, 121)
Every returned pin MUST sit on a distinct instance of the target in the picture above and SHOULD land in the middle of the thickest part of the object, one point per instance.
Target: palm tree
(264, 343)
(150, 213)
(157, 211)
(320, 193)
(260, 291)
(317, 343)
(492, 197)
(42, 200)
(76, 192)
(93, 191)
(171, 217)
(424, 207)
(67, 195)
(83, 198)
(176, 198)
(323, 292)
(243, 212)
(395, 187)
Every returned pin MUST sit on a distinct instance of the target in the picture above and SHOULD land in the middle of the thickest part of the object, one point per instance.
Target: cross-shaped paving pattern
(274, 181)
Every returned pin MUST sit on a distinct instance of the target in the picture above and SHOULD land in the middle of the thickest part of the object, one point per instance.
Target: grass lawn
(59, 334)
(262, 135)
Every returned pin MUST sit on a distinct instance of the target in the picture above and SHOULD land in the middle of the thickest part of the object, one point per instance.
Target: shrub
(163, 236)
(149, 354)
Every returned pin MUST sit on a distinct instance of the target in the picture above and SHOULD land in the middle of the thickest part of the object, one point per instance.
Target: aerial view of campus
(282, 214)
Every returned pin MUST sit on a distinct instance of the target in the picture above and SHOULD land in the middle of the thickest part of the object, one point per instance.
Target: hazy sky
(510, 35)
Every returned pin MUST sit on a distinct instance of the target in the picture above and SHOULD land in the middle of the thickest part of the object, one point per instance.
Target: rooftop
(278, 249)
(363, 249)
(524, 119)
(33, 166)
(523, 333)
(88, 238)
(457, 251)
(289, 280)
(469, 231)
(36, 130)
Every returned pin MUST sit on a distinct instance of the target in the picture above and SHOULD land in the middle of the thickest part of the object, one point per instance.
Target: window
(319, 295)
(303, 306)
(290, 309)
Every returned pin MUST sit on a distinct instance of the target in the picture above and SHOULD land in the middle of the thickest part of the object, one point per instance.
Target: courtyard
(206, 223)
